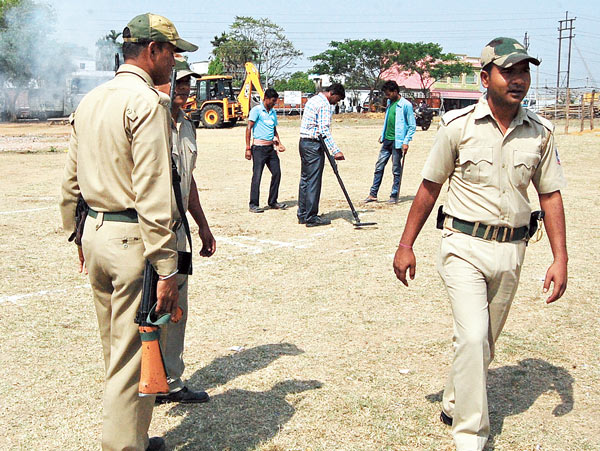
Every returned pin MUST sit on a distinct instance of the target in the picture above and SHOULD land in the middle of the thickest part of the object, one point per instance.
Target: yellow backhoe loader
(213, 103)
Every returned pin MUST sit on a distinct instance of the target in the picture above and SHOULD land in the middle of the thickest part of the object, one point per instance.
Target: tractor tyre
(212, 116)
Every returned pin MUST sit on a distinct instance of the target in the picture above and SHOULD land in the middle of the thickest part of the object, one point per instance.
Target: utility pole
(564, 25)
(526, 41)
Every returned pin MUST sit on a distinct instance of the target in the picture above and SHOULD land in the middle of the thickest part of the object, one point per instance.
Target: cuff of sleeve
(434, 176)
(167, 266)
(336, 151)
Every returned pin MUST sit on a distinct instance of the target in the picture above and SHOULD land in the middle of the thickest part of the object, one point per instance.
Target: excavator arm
(252, 81)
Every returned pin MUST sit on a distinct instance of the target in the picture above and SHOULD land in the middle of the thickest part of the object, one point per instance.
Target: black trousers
(311, 174)
(261, 156)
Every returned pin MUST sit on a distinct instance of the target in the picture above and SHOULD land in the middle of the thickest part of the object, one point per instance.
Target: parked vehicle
(423, 117)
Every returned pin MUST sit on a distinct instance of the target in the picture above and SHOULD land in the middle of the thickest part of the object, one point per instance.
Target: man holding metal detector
(184, 153)
(398, 129)
(119, 162)
(490, 153)
(316, 122)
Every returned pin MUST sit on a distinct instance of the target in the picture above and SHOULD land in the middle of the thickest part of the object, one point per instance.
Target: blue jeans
(388, 150)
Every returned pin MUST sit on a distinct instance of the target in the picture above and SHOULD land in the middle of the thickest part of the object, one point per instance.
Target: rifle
(153, 376)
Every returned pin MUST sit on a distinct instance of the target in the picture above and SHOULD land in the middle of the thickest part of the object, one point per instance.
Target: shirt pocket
(476, 163)
(524, 165)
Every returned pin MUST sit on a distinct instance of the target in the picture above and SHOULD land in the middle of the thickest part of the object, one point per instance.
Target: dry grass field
(303, 337)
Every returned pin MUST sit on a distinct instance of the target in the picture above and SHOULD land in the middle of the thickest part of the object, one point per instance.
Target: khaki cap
(505, 52)
(152, 27)
(183, 68)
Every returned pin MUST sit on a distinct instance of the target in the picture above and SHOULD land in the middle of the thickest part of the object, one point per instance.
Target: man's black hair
(390, 86)
(131, 50)
(338, 90)
(271, 94)
(487, 68)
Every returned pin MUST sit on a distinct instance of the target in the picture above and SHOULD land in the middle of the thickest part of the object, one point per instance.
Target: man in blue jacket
(398, 129)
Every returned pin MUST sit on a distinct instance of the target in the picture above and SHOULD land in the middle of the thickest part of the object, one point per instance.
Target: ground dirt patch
(333, 353)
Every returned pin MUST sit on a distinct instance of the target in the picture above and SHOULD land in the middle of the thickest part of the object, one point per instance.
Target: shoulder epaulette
(163, 98)
(455, 114)
(540, 120)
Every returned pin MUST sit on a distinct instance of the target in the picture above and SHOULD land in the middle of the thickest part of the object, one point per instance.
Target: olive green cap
(505, 52)
(152, 27)
(183, 68)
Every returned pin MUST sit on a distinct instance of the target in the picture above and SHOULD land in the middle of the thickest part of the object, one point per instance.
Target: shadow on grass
(514, 389)
(346, 215)
(237, 419)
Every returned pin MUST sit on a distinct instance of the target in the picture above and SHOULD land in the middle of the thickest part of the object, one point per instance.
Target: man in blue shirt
(398, 129)
(262, 125)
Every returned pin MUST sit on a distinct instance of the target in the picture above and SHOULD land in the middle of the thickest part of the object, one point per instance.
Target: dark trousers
(262, 155)
(311, 174)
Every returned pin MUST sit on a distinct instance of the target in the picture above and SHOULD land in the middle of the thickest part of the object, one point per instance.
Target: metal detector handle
(337, 174)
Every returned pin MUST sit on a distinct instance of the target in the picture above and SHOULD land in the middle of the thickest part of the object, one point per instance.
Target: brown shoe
(370, 199)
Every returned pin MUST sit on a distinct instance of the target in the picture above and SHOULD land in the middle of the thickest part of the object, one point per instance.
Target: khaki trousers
(172, 337)
(114, 257)
(481, 278)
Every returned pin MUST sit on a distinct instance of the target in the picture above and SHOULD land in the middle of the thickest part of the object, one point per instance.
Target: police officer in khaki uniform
(119, 161)
(490, 152)
(184, 153)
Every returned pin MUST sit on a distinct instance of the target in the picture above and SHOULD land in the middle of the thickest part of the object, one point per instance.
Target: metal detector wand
(333, 163)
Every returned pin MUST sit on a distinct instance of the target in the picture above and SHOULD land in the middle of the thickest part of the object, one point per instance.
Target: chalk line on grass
(17, 297)
(29, 210)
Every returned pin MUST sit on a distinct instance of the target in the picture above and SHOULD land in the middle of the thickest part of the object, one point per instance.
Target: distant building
(447, 94)
(200, 67)
(461, 91)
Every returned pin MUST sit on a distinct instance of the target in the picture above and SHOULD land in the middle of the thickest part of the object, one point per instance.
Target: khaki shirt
(185, 153)
(489, 172)
(119, 159)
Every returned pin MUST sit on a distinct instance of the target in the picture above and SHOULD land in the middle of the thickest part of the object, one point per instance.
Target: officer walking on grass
(184, 153)
(490, 153)
(119, 161)
(398, 129)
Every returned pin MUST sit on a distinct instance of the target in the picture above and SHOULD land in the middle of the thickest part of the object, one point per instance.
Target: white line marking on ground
(25, 211)
(17, 297)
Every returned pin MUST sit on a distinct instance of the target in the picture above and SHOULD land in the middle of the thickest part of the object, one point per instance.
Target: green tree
(6, 5)
(298, 81)
(233, 54)
(215, 67)
(29, 56)
(259, 41)
(431, 64)
(362, 62)
(106, 48)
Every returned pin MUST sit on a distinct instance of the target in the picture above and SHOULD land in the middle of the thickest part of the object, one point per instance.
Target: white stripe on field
(25, 211)
(17, 297)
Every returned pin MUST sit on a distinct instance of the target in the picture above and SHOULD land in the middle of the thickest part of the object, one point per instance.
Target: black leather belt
(129, 215)
(487, 232)
(310, 139)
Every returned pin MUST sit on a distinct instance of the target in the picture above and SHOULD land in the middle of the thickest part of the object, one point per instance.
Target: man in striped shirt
(316, 122)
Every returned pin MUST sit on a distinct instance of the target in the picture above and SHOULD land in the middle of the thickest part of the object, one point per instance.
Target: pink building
(447, 94)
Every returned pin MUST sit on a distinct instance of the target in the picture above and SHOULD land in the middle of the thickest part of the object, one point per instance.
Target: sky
(461, 27)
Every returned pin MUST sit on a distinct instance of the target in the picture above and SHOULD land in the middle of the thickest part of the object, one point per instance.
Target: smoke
(34, 63)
